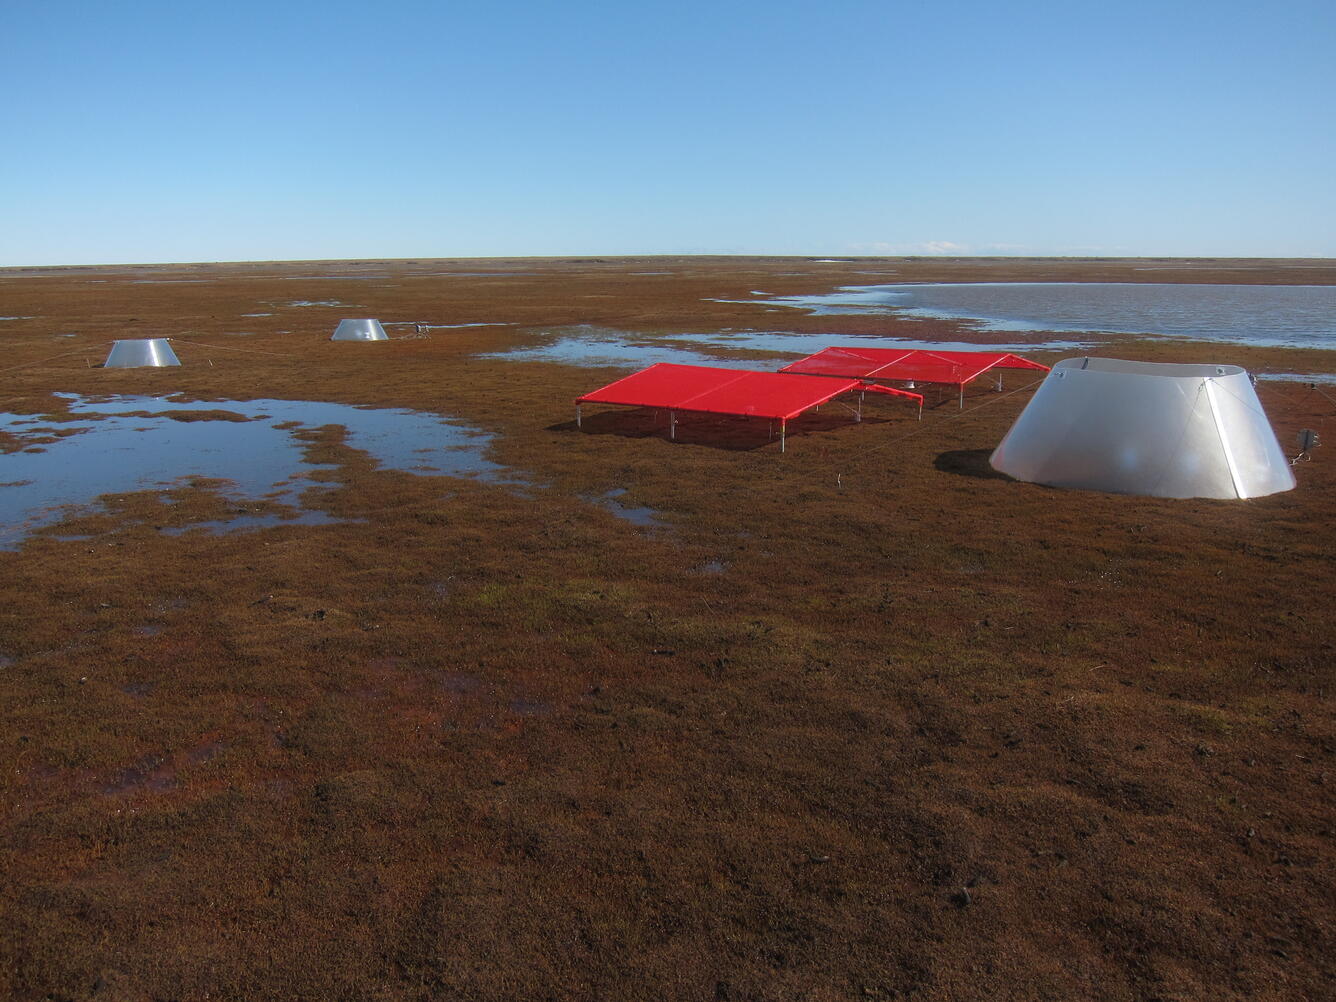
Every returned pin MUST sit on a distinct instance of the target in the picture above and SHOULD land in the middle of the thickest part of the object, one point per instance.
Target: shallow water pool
(1312, 378)
(605, 347)
(122, 444)
(647, 518)
(789, 343)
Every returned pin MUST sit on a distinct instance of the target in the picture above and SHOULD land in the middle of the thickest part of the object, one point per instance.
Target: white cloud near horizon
(952, 248)
(928, 247)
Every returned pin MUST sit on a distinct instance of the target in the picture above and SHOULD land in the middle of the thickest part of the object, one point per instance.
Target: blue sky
(147, 131)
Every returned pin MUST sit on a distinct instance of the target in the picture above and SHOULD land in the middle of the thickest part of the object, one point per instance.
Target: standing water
(130, 443)
(1291, 316)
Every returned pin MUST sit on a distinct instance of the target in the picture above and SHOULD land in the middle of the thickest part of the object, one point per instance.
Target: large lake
(1300, 316)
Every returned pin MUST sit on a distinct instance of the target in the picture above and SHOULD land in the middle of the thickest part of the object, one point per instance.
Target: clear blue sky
(187, 131)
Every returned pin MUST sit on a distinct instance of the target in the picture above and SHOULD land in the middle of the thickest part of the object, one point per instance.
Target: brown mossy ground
(862, 720)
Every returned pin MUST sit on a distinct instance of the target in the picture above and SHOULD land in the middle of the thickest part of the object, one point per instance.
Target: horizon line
(605, 258)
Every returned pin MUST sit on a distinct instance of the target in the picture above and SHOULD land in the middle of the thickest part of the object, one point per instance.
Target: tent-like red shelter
(916, 365)
(774, 395)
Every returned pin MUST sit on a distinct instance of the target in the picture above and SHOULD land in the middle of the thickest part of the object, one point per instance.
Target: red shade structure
(705, 389)
(917, 365)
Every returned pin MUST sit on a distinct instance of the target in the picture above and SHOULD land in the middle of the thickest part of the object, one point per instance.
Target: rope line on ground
(66, 354)
(1314, 388)
(98, 344)
(870, 450)
(223, 347)
(859, 456)
(1289, 392)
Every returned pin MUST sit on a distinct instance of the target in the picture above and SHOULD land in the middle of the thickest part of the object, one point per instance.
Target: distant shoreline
(1197, 265)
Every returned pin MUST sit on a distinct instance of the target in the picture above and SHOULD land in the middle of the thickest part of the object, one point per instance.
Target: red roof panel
(774, 395)
(920, 365)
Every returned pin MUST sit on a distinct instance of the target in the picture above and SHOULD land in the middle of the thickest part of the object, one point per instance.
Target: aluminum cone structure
(359, 330)
(154, 352)
(1170, 431)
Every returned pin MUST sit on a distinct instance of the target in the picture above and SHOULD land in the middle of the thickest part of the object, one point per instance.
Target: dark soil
(863, 720)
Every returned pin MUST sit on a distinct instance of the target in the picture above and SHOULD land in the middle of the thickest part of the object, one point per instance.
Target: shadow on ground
(735, 434)
(968, 463)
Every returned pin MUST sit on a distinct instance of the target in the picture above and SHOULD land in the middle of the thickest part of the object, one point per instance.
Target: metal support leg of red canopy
(858, 414)
(672, 426)
(577, 417)
(962, 396)
(998, 387)
(783, 424)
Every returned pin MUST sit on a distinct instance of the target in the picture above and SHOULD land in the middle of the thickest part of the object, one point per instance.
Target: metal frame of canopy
(910, 365)
(742, 393)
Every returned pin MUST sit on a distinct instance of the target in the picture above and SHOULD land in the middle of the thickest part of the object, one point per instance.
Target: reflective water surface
(1302, 316)
(605, 347)
(787, 342)
(132, 443)
(647, 518)
(1315, 378)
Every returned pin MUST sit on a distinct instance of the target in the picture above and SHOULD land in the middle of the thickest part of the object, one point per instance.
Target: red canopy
(920, 365)
(774, 395)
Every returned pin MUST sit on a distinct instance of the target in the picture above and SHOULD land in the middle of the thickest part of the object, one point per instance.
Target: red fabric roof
(956, 367)
(775, 395)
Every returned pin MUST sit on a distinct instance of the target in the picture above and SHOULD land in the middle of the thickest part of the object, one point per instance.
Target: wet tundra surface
(870, 722)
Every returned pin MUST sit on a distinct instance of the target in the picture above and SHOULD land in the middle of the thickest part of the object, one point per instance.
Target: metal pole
(578, 424)
(858, 414)
(962, 396)
(783, 424)
(672, 426)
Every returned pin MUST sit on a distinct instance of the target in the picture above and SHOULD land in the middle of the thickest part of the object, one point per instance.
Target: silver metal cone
(359, 330)
(153, 352)
(1155, 429)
